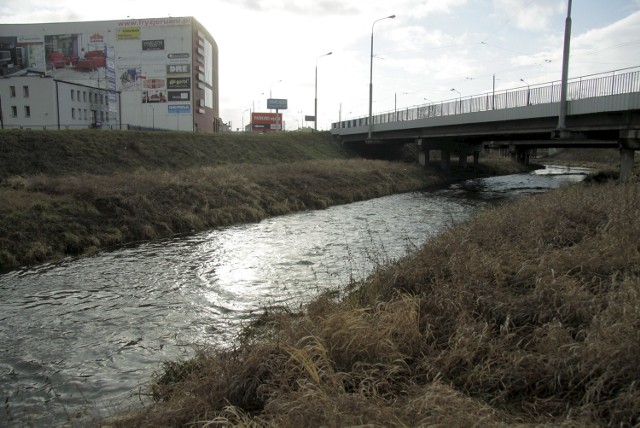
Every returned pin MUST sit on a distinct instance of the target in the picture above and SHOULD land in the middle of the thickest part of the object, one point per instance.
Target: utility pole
(561, 131)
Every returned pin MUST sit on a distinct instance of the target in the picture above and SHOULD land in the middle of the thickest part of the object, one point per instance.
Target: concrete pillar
(423, 154)
(626, 164)
(476, 159)
(445, 159)
(462, 160)
(629, 143)
(424, 157)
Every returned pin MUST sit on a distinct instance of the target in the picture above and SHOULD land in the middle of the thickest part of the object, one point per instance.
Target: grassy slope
(58, 153)
(76, 192)
(527, 315)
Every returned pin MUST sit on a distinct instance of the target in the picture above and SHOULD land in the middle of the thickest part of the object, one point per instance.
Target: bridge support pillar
(462, 160)
(629, 143)
(424, 157)
(445, 159)
(626, 164)
(519, 154)
(476, 159)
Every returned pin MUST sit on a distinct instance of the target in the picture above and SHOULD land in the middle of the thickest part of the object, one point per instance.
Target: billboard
(276, 104)
(266, 122)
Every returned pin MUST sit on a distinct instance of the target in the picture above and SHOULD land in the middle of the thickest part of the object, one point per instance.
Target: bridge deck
(598, 109)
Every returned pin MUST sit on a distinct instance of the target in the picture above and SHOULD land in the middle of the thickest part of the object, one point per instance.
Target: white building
(30, 102)
(143, 73)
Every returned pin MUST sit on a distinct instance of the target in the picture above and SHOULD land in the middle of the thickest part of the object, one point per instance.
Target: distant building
(157, 73)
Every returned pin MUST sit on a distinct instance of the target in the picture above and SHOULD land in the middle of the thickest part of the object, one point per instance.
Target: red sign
(266, 122)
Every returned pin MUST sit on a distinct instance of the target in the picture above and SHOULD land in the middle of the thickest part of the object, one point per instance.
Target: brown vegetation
(528, 314)
(73, 192)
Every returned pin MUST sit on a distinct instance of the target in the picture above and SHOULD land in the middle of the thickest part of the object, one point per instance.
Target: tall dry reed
(528, 314)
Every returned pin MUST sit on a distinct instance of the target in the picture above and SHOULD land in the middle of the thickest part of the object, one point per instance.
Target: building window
(73, 95)
(85, 114)
(73, 113)
(84, 96)
(13, 91)
(27, 110)
(14, 111)
(25, 91)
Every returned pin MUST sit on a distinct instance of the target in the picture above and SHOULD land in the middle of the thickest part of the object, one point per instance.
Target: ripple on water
(88, 332)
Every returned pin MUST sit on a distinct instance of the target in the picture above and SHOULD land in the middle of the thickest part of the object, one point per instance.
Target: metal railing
(615, 82)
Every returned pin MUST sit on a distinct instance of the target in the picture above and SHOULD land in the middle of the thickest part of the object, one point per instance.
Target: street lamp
(243, 119)
(371, 75)
(271, 86)
(565, 73)
(253, 102)
(315, 105)
(528, 90)
(395, 103)
(459, 98)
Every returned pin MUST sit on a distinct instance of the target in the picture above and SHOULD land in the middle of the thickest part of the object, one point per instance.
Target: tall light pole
(243, 118)
(315, 105)
(459, 98)
(371, 75)
(528, 90)
(271, 86)
(565, 73)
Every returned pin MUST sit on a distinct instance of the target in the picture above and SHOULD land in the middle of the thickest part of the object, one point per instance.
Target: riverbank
(69, 193)
(526, 315)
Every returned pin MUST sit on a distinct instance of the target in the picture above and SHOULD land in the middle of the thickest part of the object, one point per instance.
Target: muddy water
(81, 337)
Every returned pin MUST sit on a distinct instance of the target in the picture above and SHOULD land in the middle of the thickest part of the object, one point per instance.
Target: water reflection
(90, 331)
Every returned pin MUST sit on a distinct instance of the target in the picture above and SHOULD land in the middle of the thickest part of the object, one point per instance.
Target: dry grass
(44, 217)
(527, 315)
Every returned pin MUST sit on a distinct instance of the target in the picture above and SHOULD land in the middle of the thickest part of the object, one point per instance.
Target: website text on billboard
(154, 22)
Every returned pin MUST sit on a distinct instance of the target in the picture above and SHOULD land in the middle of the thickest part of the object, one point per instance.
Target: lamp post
(271, 86)
(560, 130)
(371, 75)
(243, 130)
(315, 105)
(395, 103)
(253, 103)
(459, 99)
(528, 90)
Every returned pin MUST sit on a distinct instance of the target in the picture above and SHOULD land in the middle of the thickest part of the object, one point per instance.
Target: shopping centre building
(157, 73)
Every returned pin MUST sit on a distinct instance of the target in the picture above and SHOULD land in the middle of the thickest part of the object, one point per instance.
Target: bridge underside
(516, 137)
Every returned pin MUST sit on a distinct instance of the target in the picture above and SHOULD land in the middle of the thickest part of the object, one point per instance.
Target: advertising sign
(180, 108)
(128, 33)
(178, 69)
(276, 104)
(179, 95)
(153, 45)
(179, 83)
(266, 122)
(185, 55)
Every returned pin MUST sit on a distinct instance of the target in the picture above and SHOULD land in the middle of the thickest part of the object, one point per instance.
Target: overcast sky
(272, 47)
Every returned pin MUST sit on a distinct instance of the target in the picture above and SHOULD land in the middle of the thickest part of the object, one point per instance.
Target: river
(81, 337)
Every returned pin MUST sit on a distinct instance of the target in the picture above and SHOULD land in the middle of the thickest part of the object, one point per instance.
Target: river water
(81, 337)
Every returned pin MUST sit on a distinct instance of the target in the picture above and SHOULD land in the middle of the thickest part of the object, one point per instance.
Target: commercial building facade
(142, 73)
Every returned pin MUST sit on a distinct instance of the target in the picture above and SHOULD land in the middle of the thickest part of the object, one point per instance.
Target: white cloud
(533, 15)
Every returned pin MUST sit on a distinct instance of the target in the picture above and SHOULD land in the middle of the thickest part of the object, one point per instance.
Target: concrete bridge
(602, 111)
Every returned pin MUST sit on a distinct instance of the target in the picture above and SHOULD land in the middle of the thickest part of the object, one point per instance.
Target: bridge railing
(596, 85)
